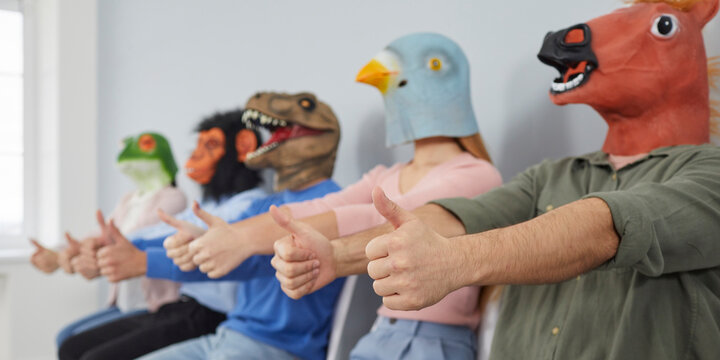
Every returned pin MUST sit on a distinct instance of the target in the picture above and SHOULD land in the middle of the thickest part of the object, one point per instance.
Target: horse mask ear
(705, 10)
(245, 143)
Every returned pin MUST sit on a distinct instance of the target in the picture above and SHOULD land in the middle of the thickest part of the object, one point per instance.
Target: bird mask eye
(435, 64)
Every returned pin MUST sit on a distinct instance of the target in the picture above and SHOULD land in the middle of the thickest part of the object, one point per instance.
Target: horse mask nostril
(565, 48)
(575, 36)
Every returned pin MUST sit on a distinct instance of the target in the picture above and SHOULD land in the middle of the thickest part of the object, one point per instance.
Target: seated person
(264, 322)
(228, 188)
(449, 160)
(608, 255)
(146, 159)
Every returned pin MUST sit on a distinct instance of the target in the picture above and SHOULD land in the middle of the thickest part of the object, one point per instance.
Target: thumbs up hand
(85, 263)
(221, 248)
(303, 261)
(178, 244)
(66, 255)
(409, 264)
(104, 238)
(43, 258)
(120, 260)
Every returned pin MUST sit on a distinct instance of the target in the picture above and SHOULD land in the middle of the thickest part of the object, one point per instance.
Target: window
(12, 209)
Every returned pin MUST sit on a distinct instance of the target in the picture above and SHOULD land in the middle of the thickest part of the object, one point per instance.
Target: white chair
(354, 315)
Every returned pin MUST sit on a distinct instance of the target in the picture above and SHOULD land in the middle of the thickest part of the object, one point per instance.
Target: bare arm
(264, 231)
(551, 248)
(349, 251)
(307, 260)
(415, 267)
(224, 247)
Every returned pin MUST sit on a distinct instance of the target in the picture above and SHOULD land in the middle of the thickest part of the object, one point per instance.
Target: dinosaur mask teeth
(280, 130)
(253, 119)
(262, 150)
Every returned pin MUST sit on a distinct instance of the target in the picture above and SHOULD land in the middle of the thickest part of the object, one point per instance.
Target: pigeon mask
(424, 80)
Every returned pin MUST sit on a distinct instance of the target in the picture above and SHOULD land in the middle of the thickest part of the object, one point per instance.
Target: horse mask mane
(643, 68)
(217, 163)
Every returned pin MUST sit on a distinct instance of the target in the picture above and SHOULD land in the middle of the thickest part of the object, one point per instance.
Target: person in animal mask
(449, 160)
(147, 160)
(228, 188)
(608, 255)
(264, 323)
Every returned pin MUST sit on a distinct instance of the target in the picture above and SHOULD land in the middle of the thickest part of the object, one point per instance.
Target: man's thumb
(390, 210)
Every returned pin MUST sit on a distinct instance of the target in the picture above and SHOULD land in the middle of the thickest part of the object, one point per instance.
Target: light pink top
(136, 211)
(461, 176)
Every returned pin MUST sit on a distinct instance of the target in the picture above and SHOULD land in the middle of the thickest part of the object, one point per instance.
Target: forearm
(440, 220)
(349, 251)
(554, 247)
(264, 231)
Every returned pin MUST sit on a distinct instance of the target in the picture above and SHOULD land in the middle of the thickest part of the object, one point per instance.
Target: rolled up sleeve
(507, 205)
(671, 226)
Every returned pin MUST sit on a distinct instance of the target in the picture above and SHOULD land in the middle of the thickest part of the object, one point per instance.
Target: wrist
(142, 263)
(338, 256)
(250, 245)
(471, 262)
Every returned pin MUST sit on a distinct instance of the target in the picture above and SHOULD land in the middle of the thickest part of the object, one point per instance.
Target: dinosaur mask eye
(435, 64)
(307, 104)
(665, 26)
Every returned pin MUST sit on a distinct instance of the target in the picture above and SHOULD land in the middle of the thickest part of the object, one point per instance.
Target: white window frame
(60, 79)
(15, 243)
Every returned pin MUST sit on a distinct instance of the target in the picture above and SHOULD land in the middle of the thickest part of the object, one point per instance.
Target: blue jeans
(396, 339)
(91, 321)
(226, 344)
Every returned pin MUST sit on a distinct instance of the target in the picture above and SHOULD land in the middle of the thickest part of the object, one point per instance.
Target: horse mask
(643, 68)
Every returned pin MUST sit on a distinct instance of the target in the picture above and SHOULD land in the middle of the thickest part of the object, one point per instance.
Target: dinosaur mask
(304, 136)
(643, 68)
(148, 161)
(424, 79)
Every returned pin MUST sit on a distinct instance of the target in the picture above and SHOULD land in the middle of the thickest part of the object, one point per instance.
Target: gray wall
(164, 64)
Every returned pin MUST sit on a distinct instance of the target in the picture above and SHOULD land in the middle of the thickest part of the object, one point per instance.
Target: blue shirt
(262, 311)
(218, 296)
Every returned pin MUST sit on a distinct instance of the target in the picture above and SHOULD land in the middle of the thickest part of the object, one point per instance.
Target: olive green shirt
(658, 298)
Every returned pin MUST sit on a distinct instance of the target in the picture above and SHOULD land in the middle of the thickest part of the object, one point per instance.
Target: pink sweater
(461, 176)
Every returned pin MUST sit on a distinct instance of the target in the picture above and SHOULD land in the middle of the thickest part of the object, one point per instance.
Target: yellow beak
(375, 74)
